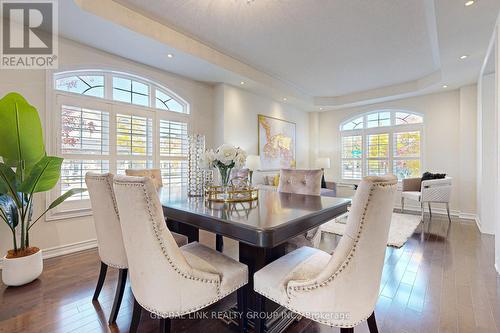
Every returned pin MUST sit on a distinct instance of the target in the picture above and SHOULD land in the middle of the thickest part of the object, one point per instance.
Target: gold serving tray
(230, 194)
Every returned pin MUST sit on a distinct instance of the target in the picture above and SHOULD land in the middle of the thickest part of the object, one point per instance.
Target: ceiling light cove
(469, 3)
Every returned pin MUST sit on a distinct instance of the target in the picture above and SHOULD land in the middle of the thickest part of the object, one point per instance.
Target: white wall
(487, 156)
(236, 120)
(443, 144)
(32, 85)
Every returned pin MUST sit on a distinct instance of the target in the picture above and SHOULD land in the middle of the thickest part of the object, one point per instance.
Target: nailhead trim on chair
(336, 273)
(115, 207)
(172, 264)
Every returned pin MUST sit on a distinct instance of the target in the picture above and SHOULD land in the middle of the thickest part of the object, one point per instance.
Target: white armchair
(427, 191)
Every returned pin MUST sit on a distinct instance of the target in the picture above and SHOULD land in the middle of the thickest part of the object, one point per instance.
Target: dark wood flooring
(436, 285)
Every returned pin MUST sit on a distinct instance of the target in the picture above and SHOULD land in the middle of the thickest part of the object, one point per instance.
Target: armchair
(427, 191)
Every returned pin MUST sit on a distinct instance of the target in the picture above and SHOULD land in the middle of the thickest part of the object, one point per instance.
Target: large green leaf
(65, 196)
(8, 182)
(20, 131)
(43, 176)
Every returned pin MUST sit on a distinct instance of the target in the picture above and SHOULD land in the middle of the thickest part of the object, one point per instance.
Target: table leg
(256, 258)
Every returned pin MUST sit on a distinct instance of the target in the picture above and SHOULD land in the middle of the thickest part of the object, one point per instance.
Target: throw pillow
(428, 176)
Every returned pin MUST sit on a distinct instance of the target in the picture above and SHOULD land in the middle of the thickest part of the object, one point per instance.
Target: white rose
(226, 154)
(241, 158)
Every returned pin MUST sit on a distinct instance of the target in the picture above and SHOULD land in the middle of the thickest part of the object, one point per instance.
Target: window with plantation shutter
(110, 122)
(386, 141)
(173, 152)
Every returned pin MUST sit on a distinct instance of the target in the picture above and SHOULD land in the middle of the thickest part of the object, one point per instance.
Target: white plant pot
(19, 271)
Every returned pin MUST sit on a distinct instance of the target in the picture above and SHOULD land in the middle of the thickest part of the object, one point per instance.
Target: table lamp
(323, 163)
(253, 163)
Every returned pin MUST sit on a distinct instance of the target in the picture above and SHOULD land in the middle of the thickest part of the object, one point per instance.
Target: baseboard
(61, 250)
(438, 210)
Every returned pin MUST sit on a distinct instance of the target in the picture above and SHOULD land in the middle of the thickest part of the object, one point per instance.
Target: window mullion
(112, 140)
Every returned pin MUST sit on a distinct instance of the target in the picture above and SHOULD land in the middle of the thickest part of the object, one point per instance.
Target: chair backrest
(106, 219)
(300, 181)
(162, 280)
(350, 281)
(436, 190)
(154, 174)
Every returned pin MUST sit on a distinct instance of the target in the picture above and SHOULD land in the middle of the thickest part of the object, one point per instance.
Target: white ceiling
(323, 52)
(325, 48)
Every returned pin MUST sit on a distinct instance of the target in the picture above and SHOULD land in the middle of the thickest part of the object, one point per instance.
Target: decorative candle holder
(196, 175)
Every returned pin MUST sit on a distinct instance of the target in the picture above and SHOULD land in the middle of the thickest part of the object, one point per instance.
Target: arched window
(108, 121)
(380, 142)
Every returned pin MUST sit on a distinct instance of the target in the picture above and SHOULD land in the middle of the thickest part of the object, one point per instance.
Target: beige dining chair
(154, 174)
(167, 280)
(109, 235)
(338, 290)
(302, 182)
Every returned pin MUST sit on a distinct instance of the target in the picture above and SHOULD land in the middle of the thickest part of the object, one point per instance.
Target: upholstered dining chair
(109, 235)
(427, 191)
(341, 289)
(166, 280)
(302, 182)
(154, 174)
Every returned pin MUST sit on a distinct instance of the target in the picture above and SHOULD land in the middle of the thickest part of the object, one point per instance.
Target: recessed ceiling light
(284, 98)
(469, 3)
(464, 57)
(321, 108)
(170, 55)
(445, 86)
(242, 82)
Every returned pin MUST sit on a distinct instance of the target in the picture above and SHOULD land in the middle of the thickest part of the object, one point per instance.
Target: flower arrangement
(224, 158)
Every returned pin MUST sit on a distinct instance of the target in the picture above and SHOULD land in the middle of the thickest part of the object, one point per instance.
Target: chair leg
(219, 243)
(402, 204)
(120, 287)
(260, 313)
(100, 281)
(372, 323)
(448, 211)
(430, 211)
(347, 330)
(165, 325)
(136, 317)
(243, 309)
(422, 234)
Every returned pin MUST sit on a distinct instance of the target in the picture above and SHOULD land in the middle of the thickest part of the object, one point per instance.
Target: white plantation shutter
(173, 152)
(84, 145)
(352, 156)
(377, 154)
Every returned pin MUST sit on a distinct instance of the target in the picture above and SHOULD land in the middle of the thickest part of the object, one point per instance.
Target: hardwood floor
(436, 285)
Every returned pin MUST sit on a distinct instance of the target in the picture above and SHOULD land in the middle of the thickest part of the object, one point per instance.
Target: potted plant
(24, 171)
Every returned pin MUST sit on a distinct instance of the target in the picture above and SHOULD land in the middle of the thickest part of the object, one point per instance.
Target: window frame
(391, 129)
(57, 98)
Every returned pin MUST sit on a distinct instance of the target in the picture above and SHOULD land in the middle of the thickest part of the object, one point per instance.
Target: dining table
(262, 228)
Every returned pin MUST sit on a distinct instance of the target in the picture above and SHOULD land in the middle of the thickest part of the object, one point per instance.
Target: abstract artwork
(276, 143)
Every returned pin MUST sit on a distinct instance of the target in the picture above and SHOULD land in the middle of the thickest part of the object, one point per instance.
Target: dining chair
(427, 191)
(302, 182)
(154, 174)
(341, 289)
(109, 235)
(167, 280)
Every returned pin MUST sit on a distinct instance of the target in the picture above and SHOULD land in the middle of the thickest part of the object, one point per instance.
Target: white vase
(19, 271)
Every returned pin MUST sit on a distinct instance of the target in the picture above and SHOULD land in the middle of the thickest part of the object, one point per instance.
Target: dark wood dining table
(262, 227)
